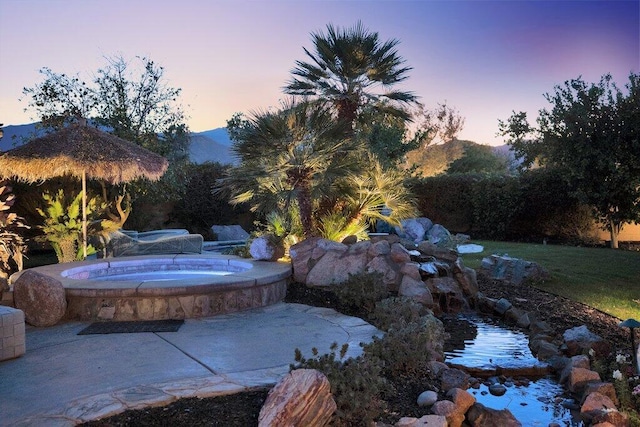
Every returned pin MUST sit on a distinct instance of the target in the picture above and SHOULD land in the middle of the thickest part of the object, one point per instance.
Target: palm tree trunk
(306, 212)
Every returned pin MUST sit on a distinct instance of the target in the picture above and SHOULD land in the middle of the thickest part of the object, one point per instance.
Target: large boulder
(580, 340)
(266, 248)
(336, 266)
(481, 416)
(229, 232)
(438, 235)
(595, 404)
(412, 229)
(40, 297)
(512, 270)
(303, 257)
(416, 290)
(302, 398)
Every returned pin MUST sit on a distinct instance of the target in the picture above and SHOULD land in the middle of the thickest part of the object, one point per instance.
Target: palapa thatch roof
(79, 148)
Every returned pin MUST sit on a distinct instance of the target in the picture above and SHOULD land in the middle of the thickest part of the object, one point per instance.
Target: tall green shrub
(496, 200)
(446, 199)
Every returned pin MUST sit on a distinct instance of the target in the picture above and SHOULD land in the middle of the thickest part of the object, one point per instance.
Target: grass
(606, 279)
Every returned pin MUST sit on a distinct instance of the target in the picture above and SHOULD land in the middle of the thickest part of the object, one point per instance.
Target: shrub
(446, 200)
(362, 291)
(356, 384)
(392, 310)
(12, 244)
(199, 209)
(496, 199)
(407, 347)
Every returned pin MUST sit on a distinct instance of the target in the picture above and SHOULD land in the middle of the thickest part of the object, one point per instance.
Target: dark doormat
(132, 327)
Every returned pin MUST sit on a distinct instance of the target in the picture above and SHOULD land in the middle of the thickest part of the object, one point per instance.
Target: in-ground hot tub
(157, 287)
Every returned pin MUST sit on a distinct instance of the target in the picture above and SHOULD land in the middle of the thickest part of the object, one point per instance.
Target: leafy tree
(440, 124)
(353, 70)
(591, 134)
(478, 159)
(135, 104)
(388, 139)
(129, 99)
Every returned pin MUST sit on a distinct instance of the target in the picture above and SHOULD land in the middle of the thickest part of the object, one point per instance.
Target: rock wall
(430, 274)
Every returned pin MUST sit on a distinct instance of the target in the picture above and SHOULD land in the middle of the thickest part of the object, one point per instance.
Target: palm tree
(295, 155)
(348, 70)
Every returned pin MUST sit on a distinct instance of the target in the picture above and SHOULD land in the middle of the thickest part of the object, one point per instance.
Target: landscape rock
(411, 229)
(266, 249)
(302, 259)
(580, 340)
(427, 398)
(466, 278)
(594, 404)
(502, 306)
(399, 254)
(447, 409)
(512, 270)
(416, 290)
(381, 247)
(447, 292)
(454, 378)
(603, 388)
(390, 271)
(444, 254)
(497, 389)
(41, 298)
(302, 398)
(411, 269)
(424, 421)
(438, 235)
(580, 377)
(481, 416)
(333, 268)
(462, 399)
(229, 232)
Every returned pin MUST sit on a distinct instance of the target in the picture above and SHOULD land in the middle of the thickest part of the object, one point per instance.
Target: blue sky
(485, 58)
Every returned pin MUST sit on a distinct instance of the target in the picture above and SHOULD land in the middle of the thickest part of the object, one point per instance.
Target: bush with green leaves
(362, 291)
(407, 347)
(357, 384)
(392, 310)
(62, 224)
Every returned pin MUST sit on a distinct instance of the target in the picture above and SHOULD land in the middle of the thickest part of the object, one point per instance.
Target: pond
(500, 357)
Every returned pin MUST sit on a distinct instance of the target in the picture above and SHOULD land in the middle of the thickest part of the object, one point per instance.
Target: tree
(478, 159)
(299, 161)
(440, 124)
(591, 134)
(292, 155)
(388, 138)
(130, 99)
(133, 103)
(347, 69)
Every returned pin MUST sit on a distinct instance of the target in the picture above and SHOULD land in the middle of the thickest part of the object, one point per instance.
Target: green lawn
(606, 279)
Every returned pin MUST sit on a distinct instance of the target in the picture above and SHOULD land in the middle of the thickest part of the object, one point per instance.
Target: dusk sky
(485, 58)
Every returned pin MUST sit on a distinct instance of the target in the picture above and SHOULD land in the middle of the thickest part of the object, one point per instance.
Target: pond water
(483, 344)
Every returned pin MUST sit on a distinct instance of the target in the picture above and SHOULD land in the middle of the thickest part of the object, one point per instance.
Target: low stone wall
(430, 274)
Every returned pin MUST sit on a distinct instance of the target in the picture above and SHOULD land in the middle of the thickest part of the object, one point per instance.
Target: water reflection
(484, 344)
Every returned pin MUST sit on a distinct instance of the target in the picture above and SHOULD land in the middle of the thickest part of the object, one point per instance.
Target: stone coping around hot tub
(245, 273)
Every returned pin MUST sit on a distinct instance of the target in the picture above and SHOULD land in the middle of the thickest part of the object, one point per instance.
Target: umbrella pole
(84, 214)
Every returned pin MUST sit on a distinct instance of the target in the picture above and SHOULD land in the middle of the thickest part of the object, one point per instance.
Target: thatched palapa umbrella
(80, 151)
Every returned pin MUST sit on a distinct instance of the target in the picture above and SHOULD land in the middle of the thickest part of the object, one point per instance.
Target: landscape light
(631, 324)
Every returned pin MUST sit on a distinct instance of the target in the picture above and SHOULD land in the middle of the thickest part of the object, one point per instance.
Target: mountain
(204, 148)
(212, 145)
